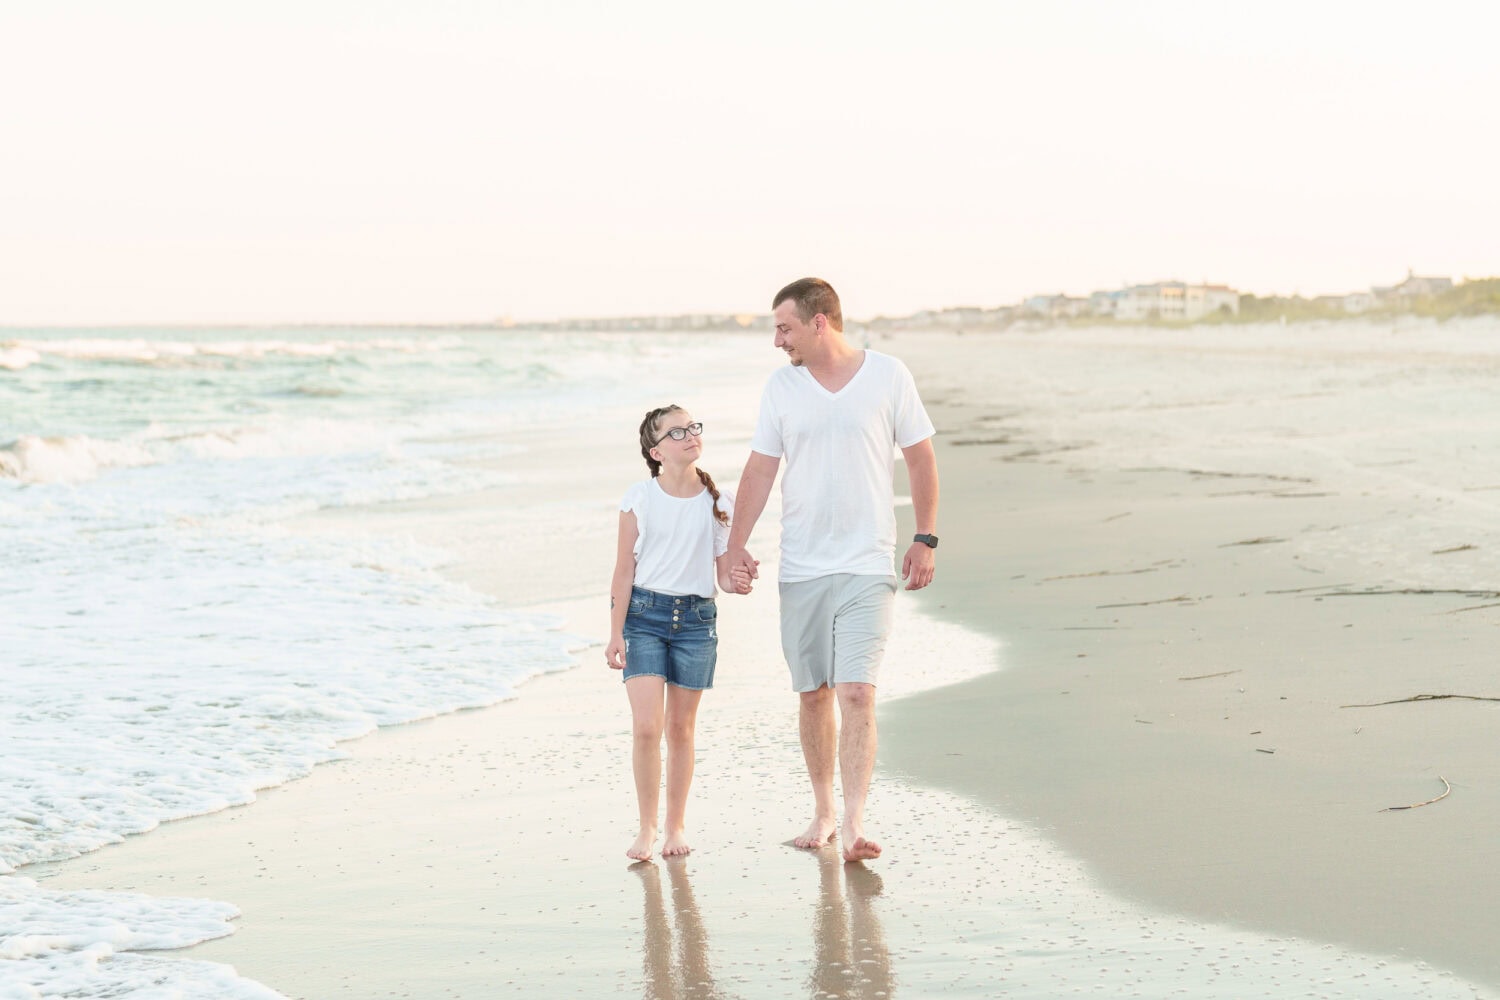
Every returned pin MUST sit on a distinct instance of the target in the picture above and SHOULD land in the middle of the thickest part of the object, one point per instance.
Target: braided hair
(651, 433)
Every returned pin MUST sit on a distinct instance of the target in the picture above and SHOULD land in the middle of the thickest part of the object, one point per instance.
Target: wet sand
(1147, 786)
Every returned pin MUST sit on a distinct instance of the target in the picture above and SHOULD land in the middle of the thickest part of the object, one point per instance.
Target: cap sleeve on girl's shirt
(634, 496)
(721, 530)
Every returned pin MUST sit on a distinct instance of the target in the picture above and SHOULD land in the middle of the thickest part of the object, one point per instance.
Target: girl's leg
(645, 693)
(682, 720)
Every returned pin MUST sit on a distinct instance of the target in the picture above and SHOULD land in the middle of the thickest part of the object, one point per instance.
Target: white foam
(183, 650)
(67, 460)
(14, 356)
(78, 944)
(154, 351)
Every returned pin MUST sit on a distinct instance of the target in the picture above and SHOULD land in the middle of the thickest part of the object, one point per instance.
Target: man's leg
(819, 730)
(856, 763)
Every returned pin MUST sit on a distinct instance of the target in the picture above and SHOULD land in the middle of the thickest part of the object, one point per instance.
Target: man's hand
(743, 564)
(919, 566)
(741, 577)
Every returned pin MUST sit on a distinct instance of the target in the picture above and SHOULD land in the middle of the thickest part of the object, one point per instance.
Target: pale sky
(433, 160)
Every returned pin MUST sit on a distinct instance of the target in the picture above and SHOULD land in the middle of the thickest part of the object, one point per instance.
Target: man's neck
(837, 367)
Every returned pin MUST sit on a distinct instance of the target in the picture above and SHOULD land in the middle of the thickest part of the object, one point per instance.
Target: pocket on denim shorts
(637, 606)
(708, 612)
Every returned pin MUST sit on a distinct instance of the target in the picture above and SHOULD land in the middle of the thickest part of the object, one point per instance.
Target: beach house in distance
(1165, 300)
(1400, 296)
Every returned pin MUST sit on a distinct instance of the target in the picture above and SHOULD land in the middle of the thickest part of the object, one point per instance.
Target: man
(837, 415)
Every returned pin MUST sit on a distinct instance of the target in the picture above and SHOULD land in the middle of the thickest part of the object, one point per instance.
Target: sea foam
(171, 646)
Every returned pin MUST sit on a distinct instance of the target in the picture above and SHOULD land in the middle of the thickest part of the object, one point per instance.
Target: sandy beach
(1145, 781)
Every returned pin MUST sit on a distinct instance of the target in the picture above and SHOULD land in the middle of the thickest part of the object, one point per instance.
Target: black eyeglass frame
(678, 433)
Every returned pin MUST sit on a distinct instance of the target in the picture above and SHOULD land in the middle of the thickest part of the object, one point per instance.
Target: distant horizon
(505, 322)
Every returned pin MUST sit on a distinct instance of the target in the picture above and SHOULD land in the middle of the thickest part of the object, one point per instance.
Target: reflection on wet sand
(680, 972)
(851, 959)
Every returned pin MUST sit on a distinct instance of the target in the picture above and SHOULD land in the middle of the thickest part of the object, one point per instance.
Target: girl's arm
(721, 570)
(619, 590)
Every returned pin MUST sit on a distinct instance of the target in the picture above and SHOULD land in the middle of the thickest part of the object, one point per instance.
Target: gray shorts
(833, 628)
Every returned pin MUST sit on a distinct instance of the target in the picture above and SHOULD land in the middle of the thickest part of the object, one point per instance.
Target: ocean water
(170, 644)
(175, 638)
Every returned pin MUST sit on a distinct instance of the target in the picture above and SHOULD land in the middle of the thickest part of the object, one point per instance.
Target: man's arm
(920, 564)
(749, 502)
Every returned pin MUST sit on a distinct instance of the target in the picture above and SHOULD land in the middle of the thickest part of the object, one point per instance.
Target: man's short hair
(813, 296)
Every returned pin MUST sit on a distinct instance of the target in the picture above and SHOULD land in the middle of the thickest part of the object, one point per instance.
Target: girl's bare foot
(818, 833)
(675, 844)
(641, 849)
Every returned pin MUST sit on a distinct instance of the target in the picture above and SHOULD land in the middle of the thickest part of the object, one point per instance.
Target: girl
(674, 529)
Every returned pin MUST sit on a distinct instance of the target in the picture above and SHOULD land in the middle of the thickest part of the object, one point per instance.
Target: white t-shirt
(678, 538)
(837, 491)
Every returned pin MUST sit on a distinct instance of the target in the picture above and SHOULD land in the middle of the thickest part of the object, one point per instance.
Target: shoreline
(490, 842)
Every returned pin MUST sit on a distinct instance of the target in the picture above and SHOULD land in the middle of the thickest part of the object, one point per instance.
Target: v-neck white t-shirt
(839, 450)
(677, 538)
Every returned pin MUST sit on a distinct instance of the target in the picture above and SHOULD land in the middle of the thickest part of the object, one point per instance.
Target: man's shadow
(850, 958)
(676, 963)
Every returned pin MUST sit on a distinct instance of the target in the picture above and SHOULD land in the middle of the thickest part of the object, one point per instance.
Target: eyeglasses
(678, 433)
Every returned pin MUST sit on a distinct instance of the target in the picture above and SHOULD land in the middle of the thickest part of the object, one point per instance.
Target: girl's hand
(614, 653)
(740, 577)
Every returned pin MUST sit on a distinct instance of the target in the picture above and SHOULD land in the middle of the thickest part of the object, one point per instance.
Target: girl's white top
(678, 539)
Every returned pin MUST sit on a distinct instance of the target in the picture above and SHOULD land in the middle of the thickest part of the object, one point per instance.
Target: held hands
(741, 577)
(919, 566)
(614, 653)
(742, 570)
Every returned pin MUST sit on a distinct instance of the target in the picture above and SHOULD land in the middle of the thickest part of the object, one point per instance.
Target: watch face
(928, 540)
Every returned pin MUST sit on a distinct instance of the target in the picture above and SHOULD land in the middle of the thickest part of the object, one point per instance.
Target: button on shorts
(672, 636)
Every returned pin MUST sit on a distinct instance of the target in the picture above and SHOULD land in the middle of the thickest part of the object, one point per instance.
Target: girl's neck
(680, 482)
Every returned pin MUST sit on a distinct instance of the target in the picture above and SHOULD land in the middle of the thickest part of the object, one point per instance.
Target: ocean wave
(72, 459)
(67, 460)
(92, 942)
(15, 356)
(18, 354)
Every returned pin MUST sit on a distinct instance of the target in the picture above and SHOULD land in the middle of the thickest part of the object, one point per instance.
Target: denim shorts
(672, 636)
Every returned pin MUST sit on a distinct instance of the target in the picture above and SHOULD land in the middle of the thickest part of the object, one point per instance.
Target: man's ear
(820, 323)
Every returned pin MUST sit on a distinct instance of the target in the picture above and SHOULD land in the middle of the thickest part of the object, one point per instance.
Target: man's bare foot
(676, 844)
(818, 833)
(641, 849)
(858, 849)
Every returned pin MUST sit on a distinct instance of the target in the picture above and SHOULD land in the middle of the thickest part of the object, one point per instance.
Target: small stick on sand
(1145, 604)
(1204, 677)
(1424, 697)
(1100, 572)
(1415, 805)
(1426, 591)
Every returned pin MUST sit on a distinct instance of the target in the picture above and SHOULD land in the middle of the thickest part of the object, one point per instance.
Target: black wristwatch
(928, 540)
